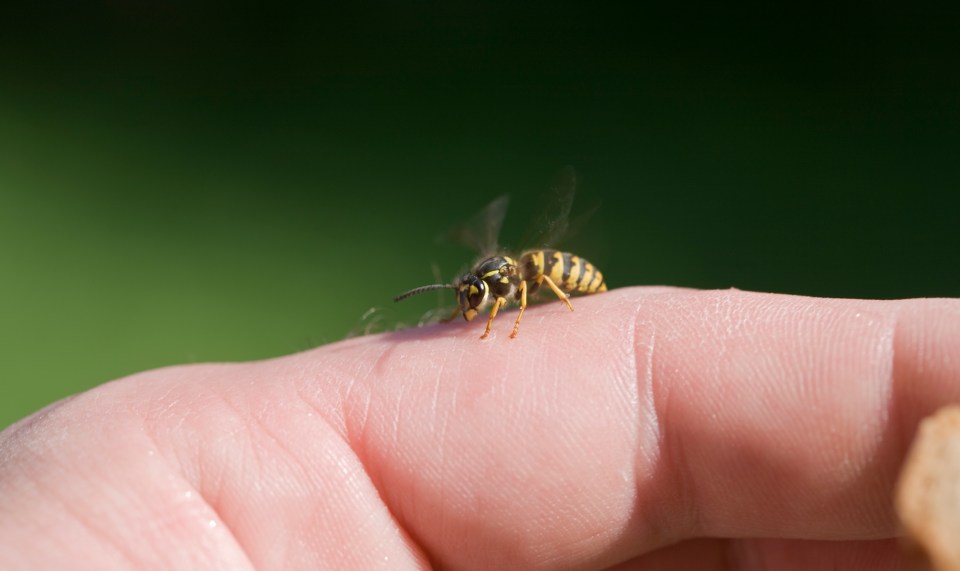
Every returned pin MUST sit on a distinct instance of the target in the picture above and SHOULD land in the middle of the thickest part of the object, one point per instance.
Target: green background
(184, 182)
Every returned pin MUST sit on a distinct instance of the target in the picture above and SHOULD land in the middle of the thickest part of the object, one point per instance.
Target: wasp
(499, 279)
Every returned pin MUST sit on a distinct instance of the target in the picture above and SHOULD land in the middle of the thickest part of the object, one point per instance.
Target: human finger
(645, 418)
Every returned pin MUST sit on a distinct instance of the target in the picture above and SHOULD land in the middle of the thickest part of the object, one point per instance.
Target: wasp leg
(493, 313)
(453, 316)
(563, 297)
(523, 306)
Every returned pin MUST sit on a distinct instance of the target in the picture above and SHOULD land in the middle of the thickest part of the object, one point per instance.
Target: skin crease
(652, 428)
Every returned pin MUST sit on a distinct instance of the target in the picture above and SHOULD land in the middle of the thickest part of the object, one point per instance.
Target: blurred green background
(184, 181)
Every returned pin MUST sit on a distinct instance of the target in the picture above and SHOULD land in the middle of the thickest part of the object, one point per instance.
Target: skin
(653, 428)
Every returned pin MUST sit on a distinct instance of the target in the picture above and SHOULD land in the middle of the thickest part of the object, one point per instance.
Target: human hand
(653, 428)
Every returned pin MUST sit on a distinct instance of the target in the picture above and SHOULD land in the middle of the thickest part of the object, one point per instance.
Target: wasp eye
(471, 292)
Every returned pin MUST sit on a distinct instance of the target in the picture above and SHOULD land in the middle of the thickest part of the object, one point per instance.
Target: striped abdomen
(570, 272)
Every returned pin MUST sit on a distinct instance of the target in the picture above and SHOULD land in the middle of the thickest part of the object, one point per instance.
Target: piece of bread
(928, 493)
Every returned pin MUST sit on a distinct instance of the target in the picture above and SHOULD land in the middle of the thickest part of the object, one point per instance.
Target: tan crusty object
(928, 494)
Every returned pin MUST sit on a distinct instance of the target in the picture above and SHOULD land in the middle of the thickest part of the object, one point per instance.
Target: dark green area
(185, 182)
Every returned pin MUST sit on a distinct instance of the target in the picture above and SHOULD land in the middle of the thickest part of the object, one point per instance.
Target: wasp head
(471, 294)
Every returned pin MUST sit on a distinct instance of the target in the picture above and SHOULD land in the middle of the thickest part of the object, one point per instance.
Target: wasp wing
(481, 232)
(553, 222)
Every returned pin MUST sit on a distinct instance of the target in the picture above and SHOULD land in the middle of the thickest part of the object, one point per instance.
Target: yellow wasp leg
(564, 297)
(523, 305)
(493, 313)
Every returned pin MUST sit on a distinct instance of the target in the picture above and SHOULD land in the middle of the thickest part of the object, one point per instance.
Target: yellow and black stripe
(571, 273)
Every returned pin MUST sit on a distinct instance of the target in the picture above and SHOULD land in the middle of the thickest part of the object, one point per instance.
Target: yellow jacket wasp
(499, 279)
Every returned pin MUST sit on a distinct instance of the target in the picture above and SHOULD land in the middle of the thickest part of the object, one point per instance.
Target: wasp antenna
(422, 289)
